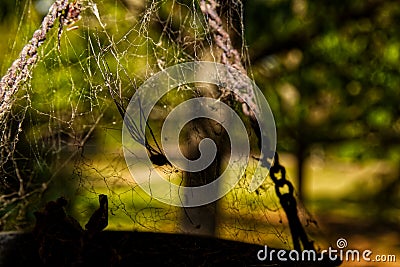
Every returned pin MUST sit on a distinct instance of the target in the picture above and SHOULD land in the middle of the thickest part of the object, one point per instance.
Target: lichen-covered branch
(231, 57)
(21, 67)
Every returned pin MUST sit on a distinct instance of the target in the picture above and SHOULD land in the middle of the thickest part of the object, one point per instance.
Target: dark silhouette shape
(99, 220)
(62, 241)
(97, 251)
(58, 235)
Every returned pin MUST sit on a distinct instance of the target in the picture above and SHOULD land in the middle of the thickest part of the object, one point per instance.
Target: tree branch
(20, 68)
(231, 57)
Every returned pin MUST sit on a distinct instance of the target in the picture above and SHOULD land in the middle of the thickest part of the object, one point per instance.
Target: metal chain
(289, 205)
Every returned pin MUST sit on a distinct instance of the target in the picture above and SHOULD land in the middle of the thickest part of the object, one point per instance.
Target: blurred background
(329, 70)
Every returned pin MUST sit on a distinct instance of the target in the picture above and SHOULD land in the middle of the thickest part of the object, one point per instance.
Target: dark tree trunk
(201, 220)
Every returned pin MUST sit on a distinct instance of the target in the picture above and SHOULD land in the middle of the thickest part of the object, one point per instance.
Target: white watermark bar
(339, 254)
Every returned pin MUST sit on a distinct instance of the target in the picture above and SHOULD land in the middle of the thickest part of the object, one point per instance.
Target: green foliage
(334, 68)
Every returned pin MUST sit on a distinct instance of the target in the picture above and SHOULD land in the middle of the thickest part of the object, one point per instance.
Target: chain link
(289, 205)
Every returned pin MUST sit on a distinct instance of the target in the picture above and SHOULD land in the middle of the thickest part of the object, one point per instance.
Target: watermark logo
(341, 243)
(340, 254)
(146, 97)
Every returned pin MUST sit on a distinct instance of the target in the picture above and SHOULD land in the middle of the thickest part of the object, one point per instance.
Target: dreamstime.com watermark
(338, 254)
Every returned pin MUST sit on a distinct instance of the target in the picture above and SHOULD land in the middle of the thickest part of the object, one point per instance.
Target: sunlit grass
(253, 217)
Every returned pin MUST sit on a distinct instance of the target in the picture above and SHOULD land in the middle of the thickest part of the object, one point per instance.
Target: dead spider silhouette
(156, 154)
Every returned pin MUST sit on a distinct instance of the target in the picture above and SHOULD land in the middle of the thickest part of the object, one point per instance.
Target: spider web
(63, 132)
